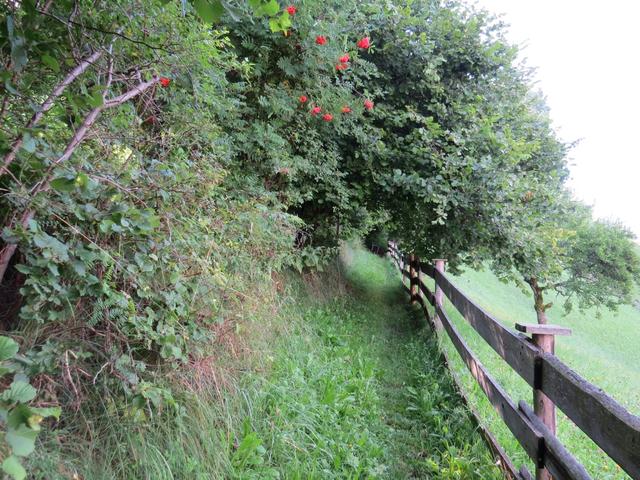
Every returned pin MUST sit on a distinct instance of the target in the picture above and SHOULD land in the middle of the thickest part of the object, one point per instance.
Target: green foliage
(157, 153)
(132, 247)
(603, 266)
(21, 421)
(559, 248)
(325, 392)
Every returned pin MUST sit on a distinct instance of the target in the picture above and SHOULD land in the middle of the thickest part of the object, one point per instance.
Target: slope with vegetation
(325, 376)
(162, 157)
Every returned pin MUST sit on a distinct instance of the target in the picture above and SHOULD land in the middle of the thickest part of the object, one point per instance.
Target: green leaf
(28, 143)
(4, 370)
(18, 46)
(19, 391)
(261, 8)
(22, 440)
(96, 99)
(48, 412)
(63, 184)
(209, 10)
(281, 23)
(271, 8)
(51, 62)
(8, 348)
(82, 180)
(79, 267)
(12, 466)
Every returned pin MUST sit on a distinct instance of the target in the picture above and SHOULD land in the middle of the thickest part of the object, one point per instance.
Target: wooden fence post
(413, 284)
(439, 294)
(418, 277)
(543, 337)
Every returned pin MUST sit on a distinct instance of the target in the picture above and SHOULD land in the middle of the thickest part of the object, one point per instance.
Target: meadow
(602, 348)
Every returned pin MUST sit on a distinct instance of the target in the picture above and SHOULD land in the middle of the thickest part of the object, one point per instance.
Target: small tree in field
(591, 263)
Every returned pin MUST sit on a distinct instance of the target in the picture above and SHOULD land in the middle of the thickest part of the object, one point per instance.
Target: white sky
(587, 59)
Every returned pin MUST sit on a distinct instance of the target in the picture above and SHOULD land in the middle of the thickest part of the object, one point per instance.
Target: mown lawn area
(604, 350)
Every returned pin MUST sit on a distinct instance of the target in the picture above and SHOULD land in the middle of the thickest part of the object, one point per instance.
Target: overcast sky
(587, 53)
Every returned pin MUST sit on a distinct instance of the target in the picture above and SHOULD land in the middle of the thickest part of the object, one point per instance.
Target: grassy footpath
(356, 391)
(359, 392)
(329, 376)
(603, 350)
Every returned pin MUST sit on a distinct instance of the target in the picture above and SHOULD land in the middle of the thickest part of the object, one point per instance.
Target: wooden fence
(606, 422)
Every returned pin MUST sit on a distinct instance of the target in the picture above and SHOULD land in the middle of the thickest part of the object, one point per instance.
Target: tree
(593, 263)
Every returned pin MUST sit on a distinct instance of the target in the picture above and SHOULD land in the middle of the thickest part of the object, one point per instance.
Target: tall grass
(325, 376)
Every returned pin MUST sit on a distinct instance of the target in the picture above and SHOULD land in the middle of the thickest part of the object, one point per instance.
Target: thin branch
(47, 6)
(131, 93)
(78, 232)
(6, 254)
(5, 103)
(46, 106)
(9, 249)
(93, 115)
(106, 32)
(121, 188)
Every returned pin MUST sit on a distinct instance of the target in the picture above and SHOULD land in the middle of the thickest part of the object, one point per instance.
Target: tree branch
(106, 32)
(9, 249)
(46, 106)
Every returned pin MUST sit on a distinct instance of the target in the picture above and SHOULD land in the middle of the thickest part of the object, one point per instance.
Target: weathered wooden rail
(601, 418)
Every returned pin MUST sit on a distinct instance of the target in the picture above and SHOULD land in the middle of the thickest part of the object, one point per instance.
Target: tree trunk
(538, 300)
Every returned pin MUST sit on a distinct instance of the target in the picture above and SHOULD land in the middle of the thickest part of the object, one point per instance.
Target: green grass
(603, 350)
(338, 381)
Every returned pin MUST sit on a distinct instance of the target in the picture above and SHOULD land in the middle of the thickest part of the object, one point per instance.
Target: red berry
(321, 39)
(291, 10)
(303, 99)
(341, 66)
(327, 117)
(346, 109)
(315, 110)
(344, 58)
(364, 42)
(164, 81)
(368, 104)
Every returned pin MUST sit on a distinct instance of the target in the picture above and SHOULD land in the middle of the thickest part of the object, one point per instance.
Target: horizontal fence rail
(615, 430)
